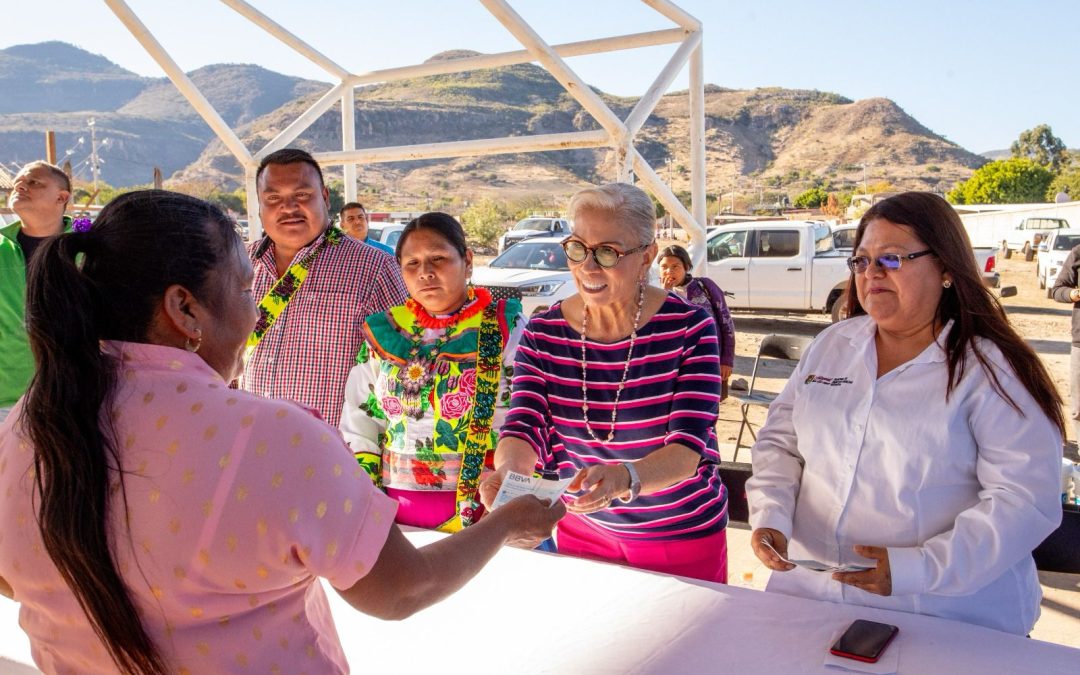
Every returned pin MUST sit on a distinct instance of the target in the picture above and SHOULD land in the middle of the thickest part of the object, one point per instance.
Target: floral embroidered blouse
(409, 428)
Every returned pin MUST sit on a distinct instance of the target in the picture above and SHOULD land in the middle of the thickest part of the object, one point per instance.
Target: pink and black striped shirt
(672, 395)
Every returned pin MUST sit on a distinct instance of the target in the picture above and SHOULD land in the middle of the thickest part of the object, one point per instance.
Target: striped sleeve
(529, 417)
(696, 401)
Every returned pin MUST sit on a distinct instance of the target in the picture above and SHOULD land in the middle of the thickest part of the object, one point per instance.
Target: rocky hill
(147, 122)
(762, 138)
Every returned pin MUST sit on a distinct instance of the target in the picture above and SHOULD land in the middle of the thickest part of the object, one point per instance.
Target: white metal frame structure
(616, 134)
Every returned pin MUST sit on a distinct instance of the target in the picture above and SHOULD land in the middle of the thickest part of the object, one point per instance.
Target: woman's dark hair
(968, 303)
(443, 223)
(676, 251)
(83, 287)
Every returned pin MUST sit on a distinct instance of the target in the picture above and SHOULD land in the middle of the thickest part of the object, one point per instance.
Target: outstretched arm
(405, 580)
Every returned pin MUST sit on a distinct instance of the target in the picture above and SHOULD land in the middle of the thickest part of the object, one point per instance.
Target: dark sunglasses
(604, 255)
(891, 262)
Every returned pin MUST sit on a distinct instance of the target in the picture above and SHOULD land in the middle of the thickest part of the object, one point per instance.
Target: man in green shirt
(39, 199)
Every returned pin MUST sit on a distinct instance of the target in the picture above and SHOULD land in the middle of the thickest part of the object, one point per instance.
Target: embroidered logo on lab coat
(828, 381)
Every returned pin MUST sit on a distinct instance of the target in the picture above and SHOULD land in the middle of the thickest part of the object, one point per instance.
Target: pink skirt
(426, 509)
(703, 558)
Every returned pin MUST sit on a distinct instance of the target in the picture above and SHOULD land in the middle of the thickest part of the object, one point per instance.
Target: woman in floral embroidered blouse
(431, 386)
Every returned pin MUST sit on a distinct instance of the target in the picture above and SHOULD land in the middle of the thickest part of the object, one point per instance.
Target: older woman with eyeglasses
(920, 438)
(618, 387)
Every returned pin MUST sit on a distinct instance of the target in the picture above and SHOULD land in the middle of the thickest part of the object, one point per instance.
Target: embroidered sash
(283, 290)
(489, 350)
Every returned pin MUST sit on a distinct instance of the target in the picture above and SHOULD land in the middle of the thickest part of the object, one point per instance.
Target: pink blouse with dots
(236, 504)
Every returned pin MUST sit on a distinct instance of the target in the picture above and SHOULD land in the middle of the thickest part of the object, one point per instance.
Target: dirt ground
(1044, 323)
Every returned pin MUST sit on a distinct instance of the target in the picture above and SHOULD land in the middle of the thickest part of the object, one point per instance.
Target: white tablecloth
(530, 612)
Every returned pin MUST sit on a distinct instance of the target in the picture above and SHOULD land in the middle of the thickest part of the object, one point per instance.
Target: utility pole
(50, 147)
(93, 152)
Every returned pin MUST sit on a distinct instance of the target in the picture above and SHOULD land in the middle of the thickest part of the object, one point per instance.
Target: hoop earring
(193, 345)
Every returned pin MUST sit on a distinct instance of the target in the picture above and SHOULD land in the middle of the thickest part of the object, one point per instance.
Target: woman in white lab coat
(921, 438)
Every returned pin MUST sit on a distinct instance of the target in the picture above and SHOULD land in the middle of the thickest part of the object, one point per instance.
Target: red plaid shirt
(308, 352)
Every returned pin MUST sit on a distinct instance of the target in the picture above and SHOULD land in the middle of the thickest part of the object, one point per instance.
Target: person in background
(157, 521)
(921, 437)
(1067, 289)
(675, 266)
(39, 197)
(314, 286)
(424, 403)
(354, 220)
(618, 388)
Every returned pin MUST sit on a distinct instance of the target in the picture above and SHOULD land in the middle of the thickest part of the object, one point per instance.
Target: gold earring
(946, 284)
(193, 345)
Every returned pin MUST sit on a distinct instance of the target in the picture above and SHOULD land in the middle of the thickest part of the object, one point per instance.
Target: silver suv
(534, 226)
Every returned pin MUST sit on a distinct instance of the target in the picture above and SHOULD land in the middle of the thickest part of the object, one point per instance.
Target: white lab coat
(960, 491)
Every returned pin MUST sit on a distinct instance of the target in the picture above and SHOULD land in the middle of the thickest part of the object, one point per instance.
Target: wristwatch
(635, 483)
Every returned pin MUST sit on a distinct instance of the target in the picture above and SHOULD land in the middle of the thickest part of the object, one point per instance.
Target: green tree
(660, 210)
(1041, 146)
(484, 221)
(1067, 181)
(235, 200)
(1007, 181)
(337, 196)
(811, 199)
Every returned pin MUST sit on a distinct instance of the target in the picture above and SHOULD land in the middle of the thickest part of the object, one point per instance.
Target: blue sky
(978, 73)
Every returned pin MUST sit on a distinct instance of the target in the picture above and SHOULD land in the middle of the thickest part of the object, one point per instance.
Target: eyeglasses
(604, 255)
(891, 262)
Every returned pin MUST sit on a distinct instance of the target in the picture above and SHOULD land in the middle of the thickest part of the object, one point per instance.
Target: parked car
(385, 233)
(844, 237)
(536, 271)
(534, 226)
(778, 265)
(1052, 253)
(1027, 237)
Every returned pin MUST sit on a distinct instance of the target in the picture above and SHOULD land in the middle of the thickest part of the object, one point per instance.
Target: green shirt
(16, 359)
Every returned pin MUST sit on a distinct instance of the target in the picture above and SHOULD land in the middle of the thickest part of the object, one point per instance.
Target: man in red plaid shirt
(307, 349)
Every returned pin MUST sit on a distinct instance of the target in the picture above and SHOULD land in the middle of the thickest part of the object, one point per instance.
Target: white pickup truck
(786, 265)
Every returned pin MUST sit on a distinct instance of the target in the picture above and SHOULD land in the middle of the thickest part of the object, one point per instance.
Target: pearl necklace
(625, 372)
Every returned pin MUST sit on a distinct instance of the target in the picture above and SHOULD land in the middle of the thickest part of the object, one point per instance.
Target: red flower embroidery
(468, 381)
(423, 475)
(454, 405)
(391, 405)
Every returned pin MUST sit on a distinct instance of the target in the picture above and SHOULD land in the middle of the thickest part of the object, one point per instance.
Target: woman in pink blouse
(154, 520)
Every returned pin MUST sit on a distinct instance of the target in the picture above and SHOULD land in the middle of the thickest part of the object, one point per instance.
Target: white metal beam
(663, 193)
(255, 229)
(468, 63)
(677, 15)
(348, 140)
(570, 81)
(473, 148)
(614, 134)
(278, 31)
(305, 120)
(180, 80)
(647, 103)
(697, 137)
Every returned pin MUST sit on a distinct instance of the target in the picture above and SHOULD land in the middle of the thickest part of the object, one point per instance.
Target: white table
(542, 613)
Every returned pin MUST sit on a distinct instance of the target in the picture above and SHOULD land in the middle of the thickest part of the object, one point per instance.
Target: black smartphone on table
(864, 640)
